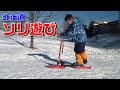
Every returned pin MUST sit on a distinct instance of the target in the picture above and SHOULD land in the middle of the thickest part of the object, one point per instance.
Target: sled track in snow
(36, 50)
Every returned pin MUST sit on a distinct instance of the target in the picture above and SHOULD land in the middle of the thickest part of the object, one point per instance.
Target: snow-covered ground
(17, 61)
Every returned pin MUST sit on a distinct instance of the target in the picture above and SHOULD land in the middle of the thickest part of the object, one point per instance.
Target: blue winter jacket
(76, 32)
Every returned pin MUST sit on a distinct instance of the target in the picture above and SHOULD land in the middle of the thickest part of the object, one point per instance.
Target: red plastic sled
(56, 66)
(82, 67)
(59, 59)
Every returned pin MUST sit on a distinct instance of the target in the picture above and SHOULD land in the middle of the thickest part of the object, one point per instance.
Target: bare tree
(33, 16)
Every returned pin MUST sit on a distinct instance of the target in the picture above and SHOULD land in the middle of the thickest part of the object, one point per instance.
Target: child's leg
(79, 59)
(83, 55)
(80, 52)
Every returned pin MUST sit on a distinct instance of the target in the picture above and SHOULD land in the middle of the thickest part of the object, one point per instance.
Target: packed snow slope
(18, 61)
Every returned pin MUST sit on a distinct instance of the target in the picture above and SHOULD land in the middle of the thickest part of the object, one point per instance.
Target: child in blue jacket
(78, 34)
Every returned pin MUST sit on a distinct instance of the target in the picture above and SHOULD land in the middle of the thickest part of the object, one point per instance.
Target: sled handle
(60, 51)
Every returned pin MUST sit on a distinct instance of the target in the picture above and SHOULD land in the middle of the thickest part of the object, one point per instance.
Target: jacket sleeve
(69, 31)
(63, 34)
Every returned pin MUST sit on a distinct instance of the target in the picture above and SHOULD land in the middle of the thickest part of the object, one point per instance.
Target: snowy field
(21, 62)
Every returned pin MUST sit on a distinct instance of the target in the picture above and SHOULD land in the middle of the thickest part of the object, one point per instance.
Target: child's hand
(61, 34)
(58, 35)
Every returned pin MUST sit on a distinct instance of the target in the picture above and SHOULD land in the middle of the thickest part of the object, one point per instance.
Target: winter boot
(77, 64)
(85, 61)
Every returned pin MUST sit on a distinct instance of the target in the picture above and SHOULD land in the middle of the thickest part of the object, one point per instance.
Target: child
(78, 34)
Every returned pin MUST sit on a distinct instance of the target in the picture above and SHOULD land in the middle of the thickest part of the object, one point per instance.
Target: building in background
(107, 27)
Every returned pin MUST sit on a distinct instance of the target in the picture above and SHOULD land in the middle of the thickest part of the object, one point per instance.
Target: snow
(21, 62)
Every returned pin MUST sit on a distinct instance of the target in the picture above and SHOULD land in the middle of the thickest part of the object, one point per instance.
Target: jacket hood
(76, 20)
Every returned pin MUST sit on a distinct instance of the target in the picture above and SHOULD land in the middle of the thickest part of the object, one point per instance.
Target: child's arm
(63, 33)
(69, 31)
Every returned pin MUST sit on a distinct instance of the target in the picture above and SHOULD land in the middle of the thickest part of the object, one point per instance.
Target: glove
(62, 34)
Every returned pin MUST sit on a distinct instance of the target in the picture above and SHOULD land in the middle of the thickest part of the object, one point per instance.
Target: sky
(86, 16)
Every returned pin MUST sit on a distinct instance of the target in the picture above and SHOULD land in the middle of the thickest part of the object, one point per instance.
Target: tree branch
(38, 16)
(47, 17)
